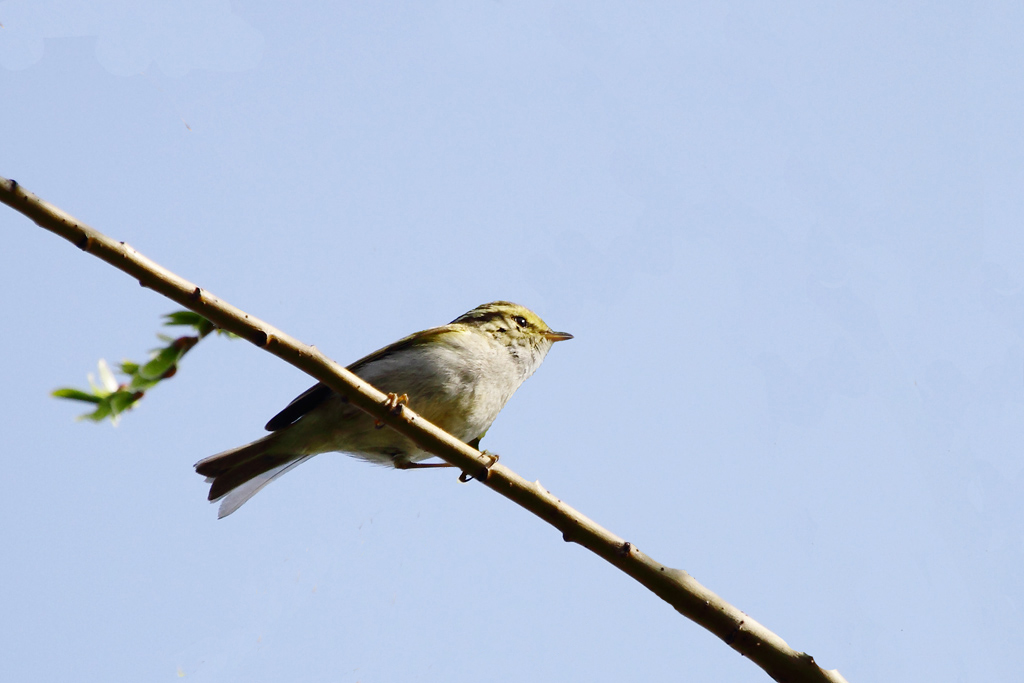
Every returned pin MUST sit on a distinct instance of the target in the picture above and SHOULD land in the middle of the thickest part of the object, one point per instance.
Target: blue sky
(787, 238)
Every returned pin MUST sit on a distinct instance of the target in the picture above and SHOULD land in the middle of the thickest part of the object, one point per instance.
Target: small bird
(458, 376)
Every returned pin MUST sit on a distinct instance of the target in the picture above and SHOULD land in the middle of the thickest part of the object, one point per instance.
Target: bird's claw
(394, 404)
(466, 477)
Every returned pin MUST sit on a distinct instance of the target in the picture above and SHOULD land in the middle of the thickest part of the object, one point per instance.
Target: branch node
(85, 243)
(729, 639)
(197, 294)
(625, 549)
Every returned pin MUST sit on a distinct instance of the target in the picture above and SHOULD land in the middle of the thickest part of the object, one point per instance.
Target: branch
(675, 586)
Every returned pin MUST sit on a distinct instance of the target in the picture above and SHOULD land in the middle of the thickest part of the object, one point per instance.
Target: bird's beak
(557, 336)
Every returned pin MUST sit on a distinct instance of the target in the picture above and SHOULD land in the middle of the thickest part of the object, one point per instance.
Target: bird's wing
(320, 392)
(302, 404)
(409, 342)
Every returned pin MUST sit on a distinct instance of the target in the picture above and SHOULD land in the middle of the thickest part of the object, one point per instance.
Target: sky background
(787, 236)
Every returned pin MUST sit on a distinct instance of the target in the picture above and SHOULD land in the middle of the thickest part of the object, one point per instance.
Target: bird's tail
(236, 475)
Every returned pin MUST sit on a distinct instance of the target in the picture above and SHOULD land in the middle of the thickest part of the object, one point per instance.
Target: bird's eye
(520, 320)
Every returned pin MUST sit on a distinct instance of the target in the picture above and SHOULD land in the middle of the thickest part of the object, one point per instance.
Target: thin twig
(676, 587)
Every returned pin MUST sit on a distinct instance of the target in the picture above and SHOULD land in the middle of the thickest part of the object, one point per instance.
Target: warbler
(458, 376)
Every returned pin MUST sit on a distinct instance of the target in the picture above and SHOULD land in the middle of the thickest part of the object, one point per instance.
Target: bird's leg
(394, 404)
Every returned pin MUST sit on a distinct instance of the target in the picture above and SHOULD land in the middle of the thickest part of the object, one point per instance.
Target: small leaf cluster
(113, 396)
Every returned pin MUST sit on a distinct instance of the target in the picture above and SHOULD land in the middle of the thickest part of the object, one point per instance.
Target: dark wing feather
(303, 403)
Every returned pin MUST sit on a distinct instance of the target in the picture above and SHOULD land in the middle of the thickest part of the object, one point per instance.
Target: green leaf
(112, 406)
(98, 415)
(128, 367)
(163, 361)
(189, 319)
(121, 401)
(139, 383)
(76, 395)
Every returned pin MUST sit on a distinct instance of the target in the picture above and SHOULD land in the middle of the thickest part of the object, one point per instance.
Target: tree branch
(676, 587)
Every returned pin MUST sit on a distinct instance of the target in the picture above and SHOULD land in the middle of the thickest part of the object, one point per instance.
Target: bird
(458, 376)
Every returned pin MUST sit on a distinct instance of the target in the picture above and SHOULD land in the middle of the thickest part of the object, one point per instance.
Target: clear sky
(787, 236)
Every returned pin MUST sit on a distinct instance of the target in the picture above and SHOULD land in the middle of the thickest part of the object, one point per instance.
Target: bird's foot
(467, 477)
(394, 404)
